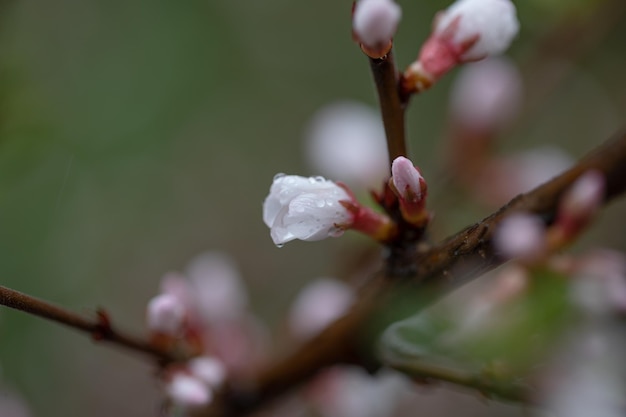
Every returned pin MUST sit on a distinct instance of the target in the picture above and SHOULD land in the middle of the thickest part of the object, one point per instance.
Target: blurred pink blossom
(317, 305)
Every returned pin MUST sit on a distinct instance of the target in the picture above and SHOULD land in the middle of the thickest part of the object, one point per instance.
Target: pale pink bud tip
(521, 236)
(165, 314)
(375, 21)
(188, 391)
(305, 208)
(317, 305)
(407, 179)
(493, 22)
(209, 370)
(584, 196)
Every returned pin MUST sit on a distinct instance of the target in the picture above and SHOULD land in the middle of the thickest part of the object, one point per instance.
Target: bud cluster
(204, 312)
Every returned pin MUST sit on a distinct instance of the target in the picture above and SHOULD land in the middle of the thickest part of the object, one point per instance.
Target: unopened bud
(583, 199)
(374, 23)
(165, 314)
(410, 187)
(578, 206)
(468, 30)
(208, 369)
(188, 392)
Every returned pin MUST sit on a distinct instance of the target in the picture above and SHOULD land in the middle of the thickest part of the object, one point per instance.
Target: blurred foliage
(136, 134)
(513, 336)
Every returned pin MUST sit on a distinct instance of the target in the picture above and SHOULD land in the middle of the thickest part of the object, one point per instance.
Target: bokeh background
(135, 135)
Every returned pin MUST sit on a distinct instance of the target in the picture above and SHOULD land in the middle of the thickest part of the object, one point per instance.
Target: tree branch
(462, 257)
(386, 80)
(100, 328)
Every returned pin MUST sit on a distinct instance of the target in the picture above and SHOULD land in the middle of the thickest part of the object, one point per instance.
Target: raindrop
(280, 245)
(278, 176)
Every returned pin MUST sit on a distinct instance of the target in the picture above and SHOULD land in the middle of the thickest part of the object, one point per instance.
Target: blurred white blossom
(487, 95)
(217, 285)
(317, 305)
(187, 391)
(521, 236)
(346, 140)
(166, 314)
(208, 369)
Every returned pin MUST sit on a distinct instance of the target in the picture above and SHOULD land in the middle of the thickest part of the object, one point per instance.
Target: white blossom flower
(305, 208)
(375, 21)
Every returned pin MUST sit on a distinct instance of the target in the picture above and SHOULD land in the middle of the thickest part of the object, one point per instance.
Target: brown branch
(462, 257)
(99, 328)
(386, 79)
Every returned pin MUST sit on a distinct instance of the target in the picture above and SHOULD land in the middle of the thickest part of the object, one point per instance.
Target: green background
(135, 135)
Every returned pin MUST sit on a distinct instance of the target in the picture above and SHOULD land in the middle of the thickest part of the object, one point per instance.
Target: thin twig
(462, 257)
(386, 80)
(99, 328)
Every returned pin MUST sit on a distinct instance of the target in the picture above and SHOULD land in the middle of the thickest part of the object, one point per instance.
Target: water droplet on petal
(278, 176)
(280, 245)
(320, 203)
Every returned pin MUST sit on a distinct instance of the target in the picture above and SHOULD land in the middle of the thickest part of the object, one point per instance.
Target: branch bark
(386, 79)
(458, 259)
(100, 327)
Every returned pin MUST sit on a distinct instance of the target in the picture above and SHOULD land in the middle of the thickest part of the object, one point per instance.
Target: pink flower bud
(305, 208)
(521, 236)
(583, 198)
(188, 392)
(468, 30)
(317, 305)
(493, 23)
(165, 314)
(410, 187)
(374, 23)
(208, 369)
